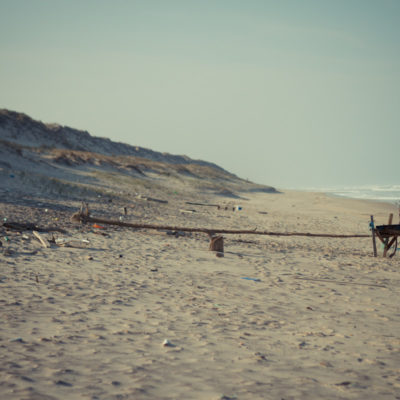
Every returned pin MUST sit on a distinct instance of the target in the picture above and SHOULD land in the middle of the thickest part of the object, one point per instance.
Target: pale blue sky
(288, 93)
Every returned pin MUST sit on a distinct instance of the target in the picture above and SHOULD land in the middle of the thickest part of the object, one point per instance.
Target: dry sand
(320, 320)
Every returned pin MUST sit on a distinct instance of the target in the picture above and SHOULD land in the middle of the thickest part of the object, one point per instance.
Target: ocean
(386, 193)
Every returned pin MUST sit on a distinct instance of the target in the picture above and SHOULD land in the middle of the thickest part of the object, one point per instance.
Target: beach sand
(316, 318)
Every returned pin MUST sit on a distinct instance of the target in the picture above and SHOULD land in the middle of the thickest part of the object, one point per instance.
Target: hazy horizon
(289, 94)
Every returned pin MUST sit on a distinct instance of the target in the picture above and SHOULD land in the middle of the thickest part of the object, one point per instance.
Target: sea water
(386, 193)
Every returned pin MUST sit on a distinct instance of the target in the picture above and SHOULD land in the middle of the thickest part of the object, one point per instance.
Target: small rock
(90, 258)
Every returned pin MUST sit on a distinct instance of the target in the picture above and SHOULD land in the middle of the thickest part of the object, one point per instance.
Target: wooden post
(373, 235)
(217, 245)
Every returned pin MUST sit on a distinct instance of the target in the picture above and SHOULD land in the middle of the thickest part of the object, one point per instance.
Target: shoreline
(364, 193)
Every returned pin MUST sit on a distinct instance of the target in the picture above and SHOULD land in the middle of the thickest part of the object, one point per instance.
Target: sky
(290, 93)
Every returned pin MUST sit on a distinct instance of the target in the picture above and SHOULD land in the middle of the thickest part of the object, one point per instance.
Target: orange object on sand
(98, 226)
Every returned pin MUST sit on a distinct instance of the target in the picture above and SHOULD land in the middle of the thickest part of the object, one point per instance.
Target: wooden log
(217, 245)
(85, 217)
(373, 236)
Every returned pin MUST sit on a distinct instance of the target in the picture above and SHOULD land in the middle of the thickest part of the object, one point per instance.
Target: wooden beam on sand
(83, 216)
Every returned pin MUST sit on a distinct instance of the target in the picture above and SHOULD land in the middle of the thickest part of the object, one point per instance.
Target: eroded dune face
(51, 158)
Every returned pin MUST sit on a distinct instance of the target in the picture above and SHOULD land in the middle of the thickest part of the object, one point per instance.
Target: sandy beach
(140, 314)
(152, 243)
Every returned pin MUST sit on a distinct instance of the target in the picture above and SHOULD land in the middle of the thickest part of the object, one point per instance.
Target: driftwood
(27, 226)
(42, 240)
(201, 204)
(187, 211)
(83, 216)
(152, 199)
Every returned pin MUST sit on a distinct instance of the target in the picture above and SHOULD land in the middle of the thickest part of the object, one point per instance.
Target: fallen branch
(83, 216)
(42, 240)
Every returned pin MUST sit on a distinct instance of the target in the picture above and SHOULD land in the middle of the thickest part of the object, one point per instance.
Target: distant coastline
(386, 193)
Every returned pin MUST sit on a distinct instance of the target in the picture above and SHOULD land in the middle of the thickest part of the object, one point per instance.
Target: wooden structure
(388, 235)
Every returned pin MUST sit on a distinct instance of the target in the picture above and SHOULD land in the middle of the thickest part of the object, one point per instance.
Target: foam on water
(386, 193)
